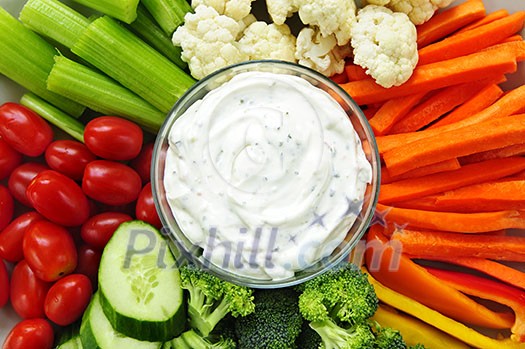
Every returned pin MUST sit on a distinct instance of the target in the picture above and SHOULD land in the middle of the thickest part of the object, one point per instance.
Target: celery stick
(124, 10)
(102, 94)
(55, 116)
(27, 59)
(169, 14)
(146, 27)
(41, 16)
(119, 53)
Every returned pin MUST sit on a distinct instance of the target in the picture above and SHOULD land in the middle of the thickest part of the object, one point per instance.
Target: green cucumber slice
(96, 331)
(72, 343)
(140, 290)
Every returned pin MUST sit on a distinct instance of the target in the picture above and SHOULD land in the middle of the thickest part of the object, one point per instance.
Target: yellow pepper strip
(438, 320)
(415, 331)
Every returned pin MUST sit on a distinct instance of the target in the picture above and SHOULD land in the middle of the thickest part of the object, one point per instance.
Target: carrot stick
(508, 104)
(491, 17)
(447, 165)
(355, 72)
(511, 150)
(339, 78)
(454, 222)
(512, 38)
(486, 135)
(439, 182)
(441, 74)
(448, 21)
(436, 106)
(472, 41)
(481, 100)
(392, 111)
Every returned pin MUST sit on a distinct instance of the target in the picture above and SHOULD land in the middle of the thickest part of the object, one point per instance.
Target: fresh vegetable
(67, 299)
(145, 209)
(7, 207)
(99, 229)
(88, 263)
(442, 166)
(308, 338)
(28, 292)
(140, 289)
(124, 10)
(336, 337)
(4, 284)
(68, 157)
(58, 198)
(488, 18)
(30, 333)
(9, 159)
(210, 299)
(21, 177)
(49, 250)
(142, 163)
(275, 323)
(418, 11)
(169, 14)
(387, 337)
(12, 236)
(192, 340)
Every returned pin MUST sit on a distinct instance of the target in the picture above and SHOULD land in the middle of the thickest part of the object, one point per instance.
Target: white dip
(266, 174)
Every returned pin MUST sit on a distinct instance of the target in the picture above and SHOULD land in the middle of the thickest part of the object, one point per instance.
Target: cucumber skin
(145, 330)
(87, 338)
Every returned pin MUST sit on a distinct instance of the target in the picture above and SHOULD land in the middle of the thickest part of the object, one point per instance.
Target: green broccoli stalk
(210, 299)
(308, 338)
(192, 340)
(387, 338)
(275, 324)
(334, 336)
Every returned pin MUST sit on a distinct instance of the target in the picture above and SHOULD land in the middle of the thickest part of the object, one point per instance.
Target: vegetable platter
(389, 215)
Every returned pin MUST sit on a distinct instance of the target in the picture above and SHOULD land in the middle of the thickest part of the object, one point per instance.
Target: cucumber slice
(72, 343)
(140, 290)
(96, 331)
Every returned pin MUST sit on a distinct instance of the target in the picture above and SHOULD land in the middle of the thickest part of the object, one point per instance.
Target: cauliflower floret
(236, 9)
(208, 41)
(330, 16)
(320, 52)
(384, 43)
(268, 41)
(279, 10)
(419, 11)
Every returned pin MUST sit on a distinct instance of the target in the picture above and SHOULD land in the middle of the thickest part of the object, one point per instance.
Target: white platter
(12, 92)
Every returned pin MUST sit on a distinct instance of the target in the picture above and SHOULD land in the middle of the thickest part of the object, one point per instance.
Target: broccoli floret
(275, 324)
(418, 346)
(342, 294)
(333, 336)
(192, 340)
(308, 338)
(210, 299)
(388, 338)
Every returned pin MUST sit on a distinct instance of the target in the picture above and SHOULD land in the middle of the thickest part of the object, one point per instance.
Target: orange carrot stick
(511, 150)
(439, 182)
(454, 222)
(355, 72)
(339, 78)
(486, 135)
(481, 100)
(443, 166)
(491, 17)
(448, 21)
(392, 111)
(508, 104)
(512, 38)
(472, 41)
(486, 64)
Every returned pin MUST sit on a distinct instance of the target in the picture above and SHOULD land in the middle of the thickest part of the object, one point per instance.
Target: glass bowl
(179, 242)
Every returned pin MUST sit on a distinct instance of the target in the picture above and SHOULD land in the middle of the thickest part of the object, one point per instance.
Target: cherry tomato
(113, 138)
(12, 236)
(58, 198)
(9, 159)
(50, 250)
(68, 157)
(88, 262)
(142, 163)
(28, 292)
(30, 334)
(24, 130)
(67, 299)
(20, 179)
(145, 209)
(111, 182)
(97, 230)
(4, 284)
(7, 207)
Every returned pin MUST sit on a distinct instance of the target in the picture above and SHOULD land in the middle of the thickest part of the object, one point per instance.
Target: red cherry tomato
(7, 207)
(12, 236)
(30, 334)
(145, 209)
(28, 292)
(4, 284)
(20, 179)
(49, 250)
(88, 262)
(142, 163)
(97, 230)
(69, 157)
(111, 182)
(67, 299)
(58, 198)
(9, 159)
(113, 138)
(24, 130)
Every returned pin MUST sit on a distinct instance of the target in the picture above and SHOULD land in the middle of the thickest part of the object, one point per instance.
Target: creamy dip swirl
(266, 174)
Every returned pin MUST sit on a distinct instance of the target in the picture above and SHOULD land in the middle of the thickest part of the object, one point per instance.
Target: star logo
(380, 217)
(318, 219)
